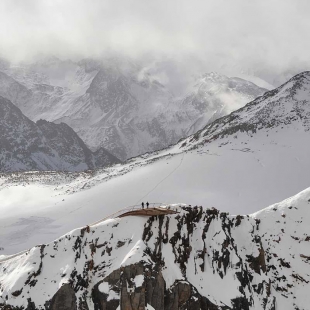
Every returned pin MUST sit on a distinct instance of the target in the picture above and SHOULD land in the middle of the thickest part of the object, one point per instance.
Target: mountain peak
(300, 82)
(214, 76)
(288, 105)
(301, 75)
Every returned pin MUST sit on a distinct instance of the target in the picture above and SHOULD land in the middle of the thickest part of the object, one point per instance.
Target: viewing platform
(149, 211)
(137, 210)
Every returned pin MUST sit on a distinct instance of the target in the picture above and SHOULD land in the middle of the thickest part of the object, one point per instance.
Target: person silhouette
(142, 204)
(147, 204)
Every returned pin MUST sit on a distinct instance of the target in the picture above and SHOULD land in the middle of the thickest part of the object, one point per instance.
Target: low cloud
(264, 38)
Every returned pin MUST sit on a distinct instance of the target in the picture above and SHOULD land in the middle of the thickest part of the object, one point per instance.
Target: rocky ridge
(25, 145)
(197, 259)
(285, 106)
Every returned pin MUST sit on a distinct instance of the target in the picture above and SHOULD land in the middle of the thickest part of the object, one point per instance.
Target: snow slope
(259, 261)
(252, 158)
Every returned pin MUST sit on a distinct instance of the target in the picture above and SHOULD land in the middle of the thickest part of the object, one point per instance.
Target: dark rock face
(100, 300)
(64, 299)
(25, 145)
(184, 296)
(179, 295)
(153, 291)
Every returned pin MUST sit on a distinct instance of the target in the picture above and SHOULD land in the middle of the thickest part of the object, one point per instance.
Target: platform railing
(137, 207)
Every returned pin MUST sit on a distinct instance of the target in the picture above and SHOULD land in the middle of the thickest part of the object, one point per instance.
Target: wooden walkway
(153, 209)
(149, 212)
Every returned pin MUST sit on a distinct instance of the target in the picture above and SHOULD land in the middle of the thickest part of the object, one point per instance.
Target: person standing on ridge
(142, 204)
(147, 204)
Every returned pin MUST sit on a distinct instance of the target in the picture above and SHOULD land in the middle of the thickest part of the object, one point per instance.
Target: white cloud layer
(264, 37)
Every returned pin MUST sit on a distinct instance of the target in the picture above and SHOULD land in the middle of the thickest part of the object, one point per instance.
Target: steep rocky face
(118, 105)
(64, 299)
(25, 145)
(196, 259)
(150, 291)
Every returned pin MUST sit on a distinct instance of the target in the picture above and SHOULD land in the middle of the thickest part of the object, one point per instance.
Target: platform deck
(149, 212)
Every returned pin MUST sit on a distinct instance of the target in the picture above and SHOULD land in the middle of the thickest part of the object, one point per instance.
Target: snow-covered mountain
(117, 104)
(250, 159)
(217, 95)
(25, 145)
(196, 259)
(284, 107)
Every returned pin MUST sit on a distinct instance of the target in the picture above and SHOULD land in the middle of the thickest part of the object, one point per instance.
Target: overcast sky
(270, 36)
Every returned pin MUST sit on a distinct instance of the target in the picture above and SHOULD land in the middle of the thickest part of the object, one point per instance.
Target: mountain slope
(286, 106)
(239, 173)
(121, 106)
(14, 91)
(197, 259)
(25, 145)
